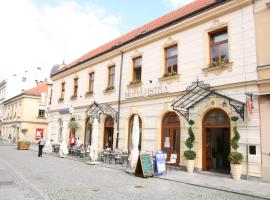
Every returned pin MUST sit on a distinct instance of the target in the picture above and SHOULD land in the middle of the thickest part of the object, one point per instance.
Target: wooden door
(208, 149)
(170, 141)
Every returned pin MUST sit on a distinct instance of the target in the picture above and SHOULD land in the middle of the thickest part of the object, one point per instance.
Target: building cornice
(208, 15)
(171, 94)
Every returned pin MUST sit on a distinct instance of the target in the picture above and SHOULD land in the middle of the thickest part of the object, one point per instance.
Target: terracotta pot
(190, 165)
(236, 171)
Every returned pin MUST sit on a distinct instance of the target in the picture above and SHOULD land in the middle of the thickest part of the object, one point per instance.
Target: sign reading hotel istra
(145, 92)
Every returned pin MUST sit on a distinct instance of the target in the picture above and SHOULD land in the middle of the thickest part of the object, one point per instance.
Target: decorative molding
(170, 78)
(217, 69)
(136, 54)
(169, 42)
(110, 63)
(216, 24)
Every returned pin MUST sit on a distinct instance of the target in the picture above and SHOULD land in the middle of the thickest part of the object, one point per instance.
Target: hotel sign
(146, 92)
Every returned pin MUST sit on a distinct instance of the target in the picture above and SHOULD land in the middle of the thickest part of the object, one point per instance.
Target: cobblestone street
(23, 175)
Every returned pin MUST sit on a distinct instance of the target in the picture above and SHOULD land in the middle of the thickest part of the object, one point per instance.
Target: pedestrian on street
(41, 144)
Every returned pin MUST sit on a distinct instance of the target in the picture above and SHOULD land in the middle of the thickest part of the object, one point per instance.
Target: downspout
(119, 98)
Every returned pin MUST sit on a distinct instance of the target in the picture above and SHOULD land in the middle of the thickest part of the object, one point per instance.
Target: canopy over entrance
(95, 110)
(197, 92)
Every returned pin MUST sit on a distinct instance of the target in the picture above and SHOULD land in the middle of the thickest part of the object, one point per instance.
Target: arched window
(170, 137)
(131, 120)
(216, 117)
(88, 132)
(108, 133)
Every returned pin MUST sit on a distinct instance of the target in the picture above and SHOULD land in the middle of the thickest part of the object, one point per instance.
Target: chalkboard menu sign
(144, 166)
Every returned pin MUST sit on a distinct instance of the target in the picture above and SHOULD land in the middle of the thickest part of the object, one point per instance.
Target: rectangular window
(41, 113)
(111, 76)
(137, 68)
(219, 46)
(171, 60)
(75, 91)
(62, 90)
(91, 82)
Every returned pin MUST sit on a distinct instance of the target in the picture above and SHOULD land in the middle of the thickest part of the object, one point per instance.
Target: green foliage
(190, 154)
(235, 157)
(73, 125)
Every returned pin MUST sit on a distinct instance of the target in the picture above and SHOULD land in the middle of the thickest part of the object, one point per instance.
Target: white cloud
(42, 35)
(178, 3)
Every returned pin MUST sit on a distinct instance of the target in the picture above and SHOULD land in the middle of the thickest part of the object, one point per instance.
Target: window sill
(89, 94)
(134, 84)
(41, 117)
(169, 78)
(218, 69)
(60, 100)
(73, 97)
(109, 90)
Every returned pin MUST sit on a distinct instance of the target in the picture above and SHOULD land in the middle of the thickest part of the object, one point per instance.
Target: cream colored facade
(191, 36)
(21, 118)
(262, 16)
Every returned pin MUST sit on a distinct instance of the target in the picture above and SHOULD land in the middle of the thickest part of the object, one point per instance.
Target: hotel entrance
(216, 141)
(108, 133)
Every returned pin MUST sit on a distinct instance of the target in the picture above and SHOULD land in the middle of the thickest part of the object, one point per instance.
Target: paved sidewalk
(251, 188)
(223, 183)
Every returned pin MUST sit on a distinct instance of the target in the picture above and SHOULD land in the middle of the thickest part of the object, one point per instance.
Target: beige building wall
(262, 21)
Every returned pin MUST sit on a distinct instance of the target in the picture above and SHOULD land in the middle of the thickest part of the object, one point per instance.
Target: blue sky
(41, 33)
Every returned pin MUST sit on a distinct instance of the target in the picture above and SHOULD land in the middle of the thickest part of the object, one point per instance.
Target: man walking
(41, 144)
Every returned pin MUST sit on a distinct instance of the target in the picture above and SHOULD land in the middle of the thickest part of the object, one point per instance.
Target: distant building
(18, 83)
(25, 115)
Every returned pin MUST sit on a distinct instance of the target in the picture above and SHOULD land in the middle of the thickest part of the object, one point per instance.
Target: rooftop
(155, 25)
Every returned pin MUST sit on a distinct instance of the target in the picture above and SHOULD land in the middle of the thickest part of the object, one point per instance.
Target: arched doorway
(170, 136)
(130, 129)
(88, 132)
(108, 133)
(216, 141)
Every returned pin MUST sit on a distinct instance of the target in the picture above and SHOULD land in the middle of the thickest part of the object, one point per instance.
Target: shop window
(91, 82)
(137, 69)
(252, 150)
(88, 133)
(111, 77)
(219, 47)
(171, 60)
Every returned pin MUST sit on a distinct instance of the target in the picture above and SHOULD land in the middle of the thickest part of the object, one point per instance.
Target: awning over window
(95, 110)
(197, 92)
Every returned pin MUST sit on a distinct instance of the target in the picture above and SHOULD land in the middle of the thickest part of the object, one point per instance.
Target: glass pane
(220, 37)
(224, 52)
(137, 74)
(112, 70)
(171, 62)
(176, 139)
(88, 136)
(167, 139)
(138, 62)
(171, 52)
(171, 119)
(211, 119)
(214, 54)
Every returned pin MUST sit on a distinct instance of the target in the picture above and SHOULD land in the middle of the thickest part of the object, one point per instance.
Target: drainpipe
(119, 98)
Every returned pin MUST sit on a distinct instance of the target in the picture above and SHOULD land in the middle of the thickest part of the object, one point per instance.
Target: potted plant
(190, 154)
(23, 145)
(73, 126)
(235, 157)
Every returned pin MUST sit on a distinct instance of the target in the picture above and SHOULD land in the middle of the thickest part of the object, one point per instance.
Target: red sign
(39, 133)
